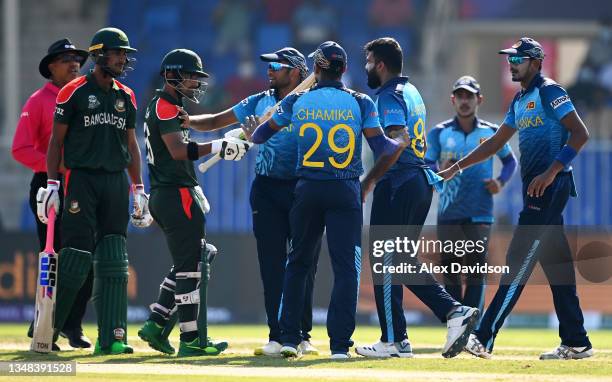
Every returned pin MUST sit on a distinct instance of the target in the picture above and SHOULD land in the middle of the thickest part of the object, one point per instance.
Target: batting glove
(141, 217)
(47, 198)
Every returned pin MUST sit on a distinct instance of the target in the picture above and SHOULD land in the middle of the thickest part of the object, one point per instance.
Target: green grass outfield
(515, 359)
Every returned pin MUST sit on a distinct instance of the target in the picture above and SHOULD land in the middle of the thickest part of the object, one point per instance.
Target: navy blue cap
(525, 47)
(292, 55)
(329, 53)
(468, 83)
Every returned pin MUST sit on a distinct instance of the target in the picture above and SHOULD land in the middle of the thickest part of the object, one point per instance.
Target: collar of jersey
(169, 98)
(536, 81)
(329, 84)
(92, 80)
(457, 126)
(392, 82)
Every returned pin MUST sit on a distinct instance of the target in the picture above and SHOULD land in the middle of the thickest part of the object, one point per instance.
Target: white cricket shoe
(271, 349)
(566, 352)
(341, 355)
(476, 348)
(460, 324)
(307, 349)
(386, 350)
(290, 351)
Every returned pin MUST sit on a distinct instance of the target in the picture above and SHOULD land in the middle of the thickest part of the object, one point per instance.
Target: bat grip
(203, 167)
(50, 231)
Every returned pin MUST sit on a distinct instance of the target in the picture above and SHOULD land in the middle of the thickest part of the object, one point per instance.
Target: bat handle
(50, 231)
(203, 167)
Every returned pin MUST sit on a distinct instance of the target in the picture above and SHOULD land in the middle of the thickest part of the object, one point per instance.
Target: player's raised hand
(493, 186)
(232, 148)
(184, 117)
(47, 198)
(141, 217)
(250, 124)
(539, 184)
(401, 136)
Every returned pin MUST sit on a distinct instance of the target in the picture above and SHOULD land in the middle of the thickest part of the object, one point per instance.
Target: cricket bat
(46, 291)
(306, 84)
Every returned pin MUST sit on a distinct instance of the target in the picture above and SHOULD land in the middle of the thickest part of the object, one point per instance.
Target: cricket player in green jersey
(178, 206)
(94, 123)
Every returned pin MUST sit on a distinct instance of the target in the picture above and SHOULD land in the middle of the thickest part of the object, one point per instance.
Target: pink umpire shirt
(34, 129)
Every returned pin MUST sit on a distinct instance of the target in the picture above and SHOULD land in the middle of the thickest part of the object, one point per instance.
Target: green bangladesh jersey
(161, 118)
(97, 124)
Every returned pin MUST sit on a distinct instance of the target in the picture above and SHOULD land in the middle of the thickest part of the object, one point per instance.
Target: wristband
(192, 151)
(215, 146)
(138, 188)
(53, 184)
(566, 155)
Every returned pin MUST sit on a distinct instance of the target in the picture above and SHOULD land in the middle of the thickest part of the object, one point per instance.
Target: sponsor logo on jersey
(450, 142)
(531, 105)
(120, 105)
(104, 119)
(93, 102)
(560, 101)
(74, 207)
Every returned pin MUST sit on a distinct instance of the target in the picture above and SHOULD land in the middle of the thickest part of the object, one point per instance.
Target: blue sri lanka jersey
(399, 103)
(277, 157)
(536, 112)
(328, 122)
(465, 195)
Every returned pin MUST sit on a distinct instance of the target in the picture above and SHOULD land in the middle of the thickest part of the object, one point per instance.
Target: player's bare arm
(134, 166)
(178, 147)
(482, 152)
(54, 152)
(579, 135)
(209, 122)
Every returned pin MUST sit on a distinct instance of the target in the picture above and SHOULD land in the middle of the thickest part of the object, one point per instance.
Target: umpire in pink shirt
(60, 66)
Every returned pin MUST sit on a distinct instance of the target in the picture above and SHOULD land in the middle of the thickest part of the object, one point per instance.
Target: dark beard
(373, 80)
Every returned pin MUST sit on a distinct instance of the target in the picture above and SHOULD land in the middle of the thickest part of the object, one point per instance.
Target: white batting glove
(230, 148)
(141, 217)
(47, 198)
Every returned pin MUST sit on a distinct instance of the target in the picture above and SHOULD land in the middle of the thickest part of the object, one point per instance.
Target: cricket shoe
(564, 352)
(307, 349)
(151, 333)
(76, 338)
(386, 350)
(271, 349)
(291, 352)
(476, 348)
(460, 324)
(339, 355)
(118, 347)
(193, 348)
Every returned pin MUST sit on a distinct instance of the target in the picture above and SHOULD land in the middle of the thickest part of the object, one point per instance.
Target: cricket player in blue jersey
(465, 210)
(402, 197)
(329, 120)
(550, 135)
(272, 189)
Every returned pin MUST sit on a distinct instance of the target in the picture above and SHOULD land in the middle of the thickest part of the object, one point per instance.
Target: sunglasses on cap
(516, 60)
(70, 58)
(276, 66)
